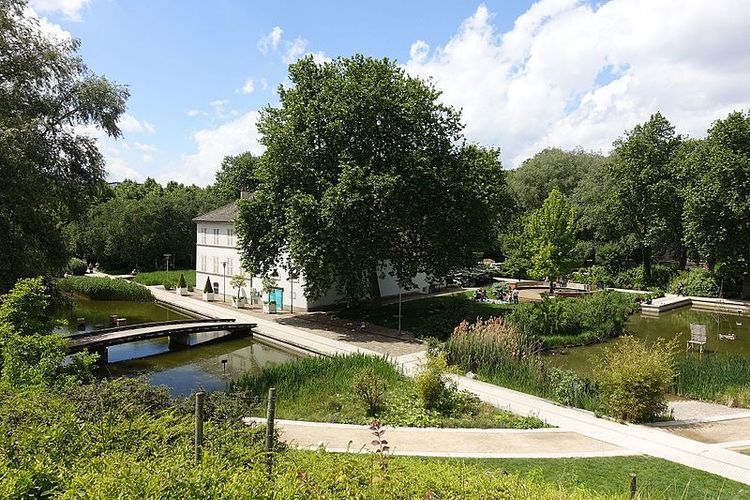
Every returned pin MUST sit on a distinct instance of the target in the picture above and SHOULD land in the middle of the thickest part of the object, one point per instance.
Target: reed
(161, 277)
(105, 288)
(714, 377)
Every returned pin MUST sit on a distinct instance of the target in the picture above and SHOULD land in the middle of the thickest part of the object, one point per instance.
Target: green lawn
(322, 389)
(428, 317)
(657, 478)
(159, 277)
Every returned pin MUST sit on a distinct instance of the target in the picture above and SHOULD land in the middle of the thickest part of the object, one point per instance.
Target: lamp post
(224, 284)
(166, 260)
(292, 277)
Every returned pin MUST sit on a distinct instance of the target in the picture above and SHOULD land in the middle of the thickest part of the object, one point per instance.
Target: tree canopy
(646, 186)
(48, 165)
(365, 170)
(237, 174)
(717, 195)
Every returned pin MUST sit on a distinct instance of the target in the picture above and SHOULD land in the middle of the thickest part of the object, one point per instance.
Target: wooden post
(199, 396)
(270, 417)
(633, 485)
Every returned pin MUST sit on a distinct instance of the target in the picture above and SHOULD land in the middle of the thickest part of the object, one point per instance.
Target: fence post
(633, 485)
(270, 417)
(199, 396)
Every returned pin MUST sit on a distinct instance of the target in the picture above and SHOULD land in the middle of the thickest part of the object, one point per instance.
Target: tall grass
(161, 277)
(105, 288)
(714, 377)
(504, 355)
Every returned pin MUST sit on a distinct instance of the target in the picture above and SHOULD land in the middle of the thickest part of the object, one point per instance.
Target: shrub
(735, 397)
(568, 388)
(633, 378)
(182, 283)
(371, 389)
(76, 266)
(158, 277)
(207, 288)
(168, 284)
(430, 382)
(698, 282)
(105, 288)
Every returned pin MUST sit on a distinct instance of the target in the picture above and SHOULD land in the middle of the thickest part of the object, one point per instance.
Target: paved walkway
(466, 443)
(642, 439)
(635, 438)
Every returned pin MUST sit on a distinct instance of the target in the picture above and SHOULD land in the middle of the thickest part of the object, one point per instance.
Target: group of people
(511, 296)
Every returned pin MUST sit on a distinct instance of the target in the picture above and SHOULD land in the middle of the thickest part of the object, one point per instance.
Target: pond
(210, 366)
(667, 325)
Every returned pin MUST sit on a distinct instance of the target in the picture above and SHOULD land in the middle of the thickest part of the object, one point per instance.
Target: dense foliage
(697, 282)
(634, 378)
(48, 164)
(105, 288)
(134, 225)
(717, 377)
(366, 172)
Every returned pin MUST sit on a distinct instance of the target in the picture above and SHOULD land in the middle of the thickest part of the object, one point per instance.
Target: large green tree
(48, 166)
(237, 174)
(549, 169)
(717, 196)
(549, 237)
(163, 218)
(646, 187)
(365, 167)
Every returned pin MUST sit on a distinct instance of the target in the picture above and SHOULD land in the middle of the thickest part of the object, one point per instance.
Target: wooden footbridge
(178, 332)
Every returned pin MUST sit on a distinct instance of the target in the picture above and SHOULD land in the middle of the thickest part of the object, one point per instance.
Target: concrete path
(692, 412)
(466, 443)
(638, 438)
(635, 438)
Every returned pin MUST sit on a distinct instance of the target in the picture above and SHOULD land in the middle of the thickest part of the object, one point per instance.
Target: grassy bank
(323, 389)
(714, 377)
(105, 288)
(160, 277)
(430, 316)
(126, 439)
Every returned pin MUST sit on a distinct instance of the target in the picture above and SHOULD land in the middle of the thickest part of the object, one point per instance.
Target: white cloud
(570, 74)
(144, 148)
(212, 145)
(248, 87)
(130, 124)
(270, 40)
(294, 50)
(71, 9)
(147, 158)
(193, 112)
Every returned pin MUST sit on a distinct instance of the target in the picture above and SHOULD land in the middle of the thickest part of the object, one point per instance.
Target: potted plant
(182, 288)
(208, 291)
(238, 281)
(269, 306)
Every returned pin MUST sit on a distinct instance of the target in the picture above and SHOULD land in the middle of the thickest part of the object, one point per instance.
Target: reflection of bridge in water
(178, 331)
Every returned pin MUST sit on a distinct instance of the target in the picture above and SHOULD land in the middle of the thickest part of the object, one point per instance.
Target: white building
(217, 258)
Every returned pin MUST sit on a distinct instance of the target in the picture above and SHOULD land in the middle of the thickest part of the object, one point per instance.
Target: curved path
(634, 438)
(458, 443)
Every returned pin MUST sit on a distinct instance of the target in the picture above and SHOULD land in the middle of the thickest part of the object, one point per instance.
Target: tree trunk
(682, 257)
(374, 290)
(710, 263)
(745, 286)
(646, 254)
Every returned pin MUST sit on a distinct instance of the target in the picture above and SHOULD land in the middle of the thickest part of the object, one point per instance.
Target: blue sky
(527, 75)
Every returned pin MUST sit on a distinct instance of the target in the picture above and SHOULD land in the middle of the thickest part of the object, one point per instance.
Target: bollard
(633, 485)
(81, 324)
(270, 417)
(199, 397)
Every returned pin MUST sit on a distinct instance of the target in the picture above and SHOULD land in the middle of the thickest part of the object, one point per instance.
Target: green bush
(612, 257)
(159, 277)
(430, 382)
(105, 288)
(568, 388)
(371, 389)
(168, 284)
(76, 266)
(698, 282)
(569, 321)
(181, 283)
(633, 379)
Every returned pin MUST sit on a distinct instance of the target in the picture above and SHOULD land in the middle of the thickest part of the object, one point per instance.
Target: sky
(526, 75)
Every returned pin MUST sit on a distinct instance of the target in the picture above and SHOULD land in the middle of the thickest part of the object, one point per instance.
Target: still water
(668, 325)
(210, 366)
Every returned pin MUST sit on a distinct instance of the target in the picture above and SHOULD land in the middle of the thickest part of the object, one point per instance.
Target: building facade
(218, 259)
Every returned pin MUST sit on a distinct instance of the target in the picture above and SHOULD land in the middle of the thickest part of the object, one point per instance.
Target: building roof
(221, 214)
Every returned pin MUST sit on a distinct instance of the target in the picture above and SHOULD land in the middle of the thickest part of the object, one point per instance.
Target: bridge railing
(145, 325)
